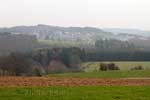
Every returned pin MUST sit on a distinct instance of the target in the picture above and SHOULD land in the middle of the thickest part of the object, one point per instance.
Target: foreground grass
(76, 93)
(106, 74)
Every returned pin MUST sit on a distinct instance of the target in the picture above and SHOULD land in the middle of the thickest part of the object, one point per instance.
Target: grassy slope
(106, 74)
(123, 65)
(76, 93)
(63, 43)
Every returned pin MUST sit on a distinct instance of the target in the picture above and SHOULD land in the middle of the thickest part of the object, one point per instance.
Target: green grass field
(76, 93)
(123, 65)
(91, 70)
(63, 43)
(106, 74)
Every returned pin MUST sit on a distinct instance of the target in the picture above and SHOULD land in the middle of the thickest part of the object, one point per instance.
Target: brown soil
(55, 81)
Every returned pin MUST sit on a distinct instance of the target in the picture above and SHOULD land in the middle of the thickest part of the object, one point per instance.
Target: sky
(95, 13)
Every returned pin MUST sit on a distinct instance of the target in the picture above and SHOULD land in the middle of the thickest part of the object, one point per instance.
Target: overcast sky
(96, 13)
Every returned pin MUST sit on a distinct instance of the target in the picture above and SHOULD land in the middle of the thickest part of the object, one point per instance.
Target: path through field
(57, 81)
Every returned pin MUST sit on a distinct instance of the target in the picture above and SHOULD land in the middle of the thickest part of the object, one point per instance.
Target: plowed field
(57, 81)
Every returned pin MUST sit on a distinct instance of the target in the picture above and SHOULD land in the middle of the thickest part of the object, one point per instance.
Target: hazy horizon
(132, 14)
(124, 28)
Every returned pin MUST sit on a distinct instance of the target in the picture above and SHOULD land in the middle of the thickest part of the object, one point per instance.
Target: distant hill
(83, 35)
(139, 38)
(46, 32)
(129, 31)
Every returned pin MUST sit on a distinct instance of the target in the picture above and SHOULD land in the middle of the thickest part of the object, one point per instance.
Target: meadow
(107, 74)
(123, 65)
(64, 43)
(91, 70)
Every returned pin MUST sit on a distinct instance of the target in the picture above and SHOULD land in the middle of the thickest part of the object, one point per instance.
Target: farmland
(91, 84)
(66, 81)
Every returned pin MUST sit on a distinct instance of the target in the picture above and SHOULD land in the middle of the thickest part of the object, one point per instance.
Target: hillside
(16, 43)
(46, 32)
(129, 31)
(80, 36)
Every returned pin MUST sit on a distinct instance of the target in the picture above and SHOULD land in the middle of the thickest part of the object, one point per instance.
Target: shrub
(137, 68)
(112, 66)
(105, 67)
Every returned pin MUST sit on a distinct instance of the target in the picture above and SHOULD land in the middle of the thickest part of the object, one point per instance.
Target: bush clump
(110, 66)
(103, 67)
(137, 68)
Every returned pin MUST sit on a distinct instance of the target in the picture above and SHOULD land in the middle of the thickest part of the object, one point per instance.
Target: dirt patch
(55, 81)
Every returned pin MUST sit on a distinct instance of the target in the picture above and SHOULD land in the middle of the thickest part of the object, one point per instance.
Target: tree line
(41, 61)
(55, 60)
